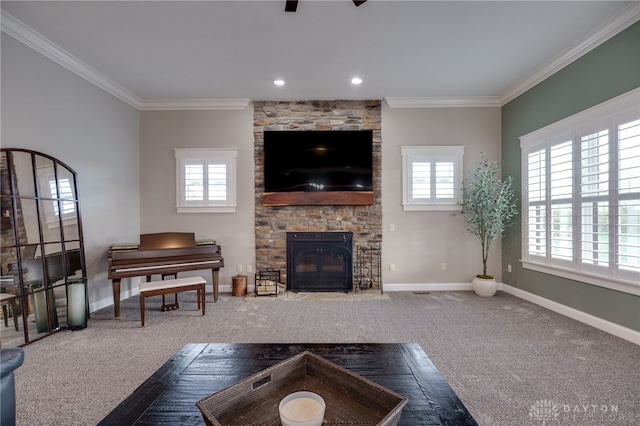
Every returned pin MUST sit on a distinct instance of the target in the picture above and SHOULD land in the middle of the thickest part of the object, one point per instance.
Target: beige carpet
(503, 356)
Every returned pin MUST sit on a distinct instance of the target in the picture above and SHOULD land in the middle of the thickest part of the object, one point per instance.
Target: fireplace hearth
(319, 261)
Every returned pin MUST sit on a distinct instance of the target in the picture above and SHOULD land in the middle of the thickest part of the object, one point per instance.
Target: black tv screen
(318, 160)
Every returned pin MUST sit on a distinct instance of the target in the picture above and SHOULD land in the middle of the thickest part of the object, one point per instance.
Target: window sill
(55, 224)
(220, 209)
(600, 281)
(431, 207)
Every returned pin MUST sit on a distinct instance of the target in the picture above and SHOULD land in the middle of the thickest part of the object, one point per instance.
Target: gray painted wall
(423, 240)
(160, 133)
(604, 73)
(47, 108)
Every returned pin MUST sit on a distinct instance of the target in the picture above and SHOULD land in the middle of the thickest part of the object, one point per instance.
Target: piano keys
(165, 253)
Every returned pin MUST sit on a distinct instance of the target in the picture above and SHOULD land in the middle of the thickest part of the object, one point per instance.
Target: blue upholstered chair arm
(10, 359)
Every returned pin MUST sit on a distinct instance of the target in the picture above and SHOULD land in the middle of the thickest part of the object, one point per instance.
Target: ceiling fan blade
(291, 5)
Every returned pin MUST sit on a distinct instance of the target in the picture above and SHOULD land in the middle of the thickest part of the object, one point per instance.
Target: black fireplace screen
(319, 261)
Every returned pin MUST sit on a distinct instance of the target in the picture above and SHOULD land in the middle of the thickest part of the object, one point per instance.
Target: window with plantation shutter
(560, 196)
(67, 204)
(205, 180)
(62, 201)
(581, 196)
(594, 197)
(627, 226)
(535, 233)
(193, 181)
(431, 177)
(217, 180)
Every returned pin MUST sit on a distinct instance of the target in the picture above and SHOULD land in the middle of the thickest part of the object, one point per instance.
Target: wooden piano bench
(160, 288)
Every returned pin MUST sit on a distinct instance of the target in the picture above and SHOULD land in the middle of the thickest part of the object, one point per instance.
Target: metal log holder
(368, 268)
(267, 282)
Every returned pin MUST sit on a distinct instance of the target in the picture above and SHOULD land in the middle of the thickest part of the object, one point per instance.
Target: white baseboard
(225, 288)
(100, 304)
(103, 303)
(625, 333)
(427, 287)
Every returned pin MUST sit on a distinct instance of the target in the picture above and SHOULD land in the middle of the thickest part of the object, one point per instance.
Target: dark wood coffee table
(168, 397)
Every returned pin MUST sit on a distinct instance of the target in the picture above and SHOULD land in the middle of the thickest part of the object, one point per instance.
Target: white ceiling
(179, 51)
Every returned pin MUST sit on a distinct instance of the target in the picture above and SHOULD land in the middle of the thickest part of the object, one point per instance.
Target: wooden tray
(350, 398)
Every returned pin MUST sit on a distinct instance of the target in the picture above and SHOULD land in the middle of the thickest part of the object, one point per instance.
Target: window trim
(433, 152)
(218, 155)
(623, 105)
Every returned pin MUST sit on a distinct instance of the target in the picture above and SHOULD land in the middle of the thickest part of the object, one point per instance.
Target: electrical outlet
(248, 268)
(239, 268)
(443, 266)
(392, 267)
(508, 268)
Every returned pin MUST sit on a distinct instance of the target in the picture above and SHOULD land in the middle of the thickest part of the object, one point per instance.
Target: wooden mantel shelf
(333, 198)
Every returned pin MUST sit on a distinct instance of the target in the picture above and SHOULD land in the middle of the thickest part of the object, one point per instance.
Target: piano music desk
(159, 288)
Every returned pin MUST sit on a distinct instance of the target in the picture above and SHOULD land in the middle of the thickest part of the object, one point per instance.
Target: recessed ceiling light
(278, 82)
(356, 80)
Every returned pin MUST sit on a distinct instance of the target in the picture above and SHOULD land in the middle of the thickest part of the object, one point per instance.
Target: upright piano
(165, 253)
(33, 269)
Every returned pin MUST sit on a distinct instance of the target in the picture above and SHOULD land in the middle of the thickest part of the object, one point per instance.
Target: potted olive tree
(488, 207)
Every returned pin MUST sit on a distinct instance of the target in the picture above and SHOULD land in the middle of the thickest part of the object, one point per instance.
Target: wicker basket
(350, 398)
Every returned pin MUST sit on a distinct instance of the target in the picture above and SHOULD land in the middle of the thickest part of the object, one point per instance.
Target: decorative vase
(76, 304)
(484, 287)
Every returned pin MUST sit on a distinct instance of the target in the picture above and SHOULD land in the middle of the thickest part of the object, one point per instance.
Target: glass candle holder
(302, 409)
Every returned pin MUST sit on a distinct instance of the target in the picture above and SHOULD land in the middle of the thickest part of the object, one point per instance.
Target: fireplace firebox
(320, 261)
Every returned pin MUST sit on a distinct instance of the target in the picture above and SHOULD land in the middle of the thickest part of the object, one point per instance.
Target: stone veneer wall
(272, 223)
(8, 255)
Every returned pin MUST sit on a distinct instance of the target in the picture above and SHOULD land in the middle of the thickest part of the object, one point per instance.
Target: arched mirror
(43, 275)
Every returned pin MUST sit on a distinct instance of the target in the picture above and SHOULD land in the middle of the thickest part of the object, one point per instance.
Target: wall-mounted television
(335, 163)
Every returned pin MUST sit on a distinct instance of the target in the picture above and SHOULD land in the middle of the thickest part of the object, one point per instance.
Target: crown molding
(625, 18)
(408, 102)
(195, 104)
(31, 38)
(16, 29)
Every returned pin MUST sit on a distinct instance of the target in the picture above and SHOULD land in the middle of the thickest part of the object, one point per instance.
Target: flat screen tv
(318, 161)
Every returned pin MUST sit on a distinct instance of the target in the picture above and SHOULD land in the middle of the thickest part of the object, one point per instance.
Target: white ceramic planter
(484, 287)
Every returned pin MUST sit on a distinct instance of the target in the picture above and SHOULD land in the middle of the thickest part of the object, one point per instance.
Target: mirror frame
(49, 260)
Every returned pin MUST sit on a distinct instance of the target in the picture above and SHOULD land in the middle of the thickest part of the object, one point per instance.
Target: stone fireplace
(319, 261)
(272, 223)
